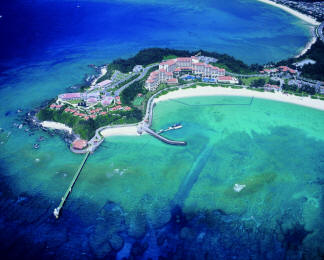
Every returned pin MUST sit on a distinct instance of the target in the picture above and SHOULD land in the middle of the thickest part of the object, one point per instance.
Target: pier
(161, 138)
(69, 190)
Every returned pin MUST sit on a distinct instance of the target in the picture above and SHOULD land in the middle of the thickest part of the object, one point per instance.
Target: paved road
(319, 31)
(150, 104)
(142, 75)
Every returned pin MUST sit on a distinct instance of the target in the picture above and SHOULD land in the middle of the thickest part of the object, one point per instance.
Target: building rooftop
(79, 144)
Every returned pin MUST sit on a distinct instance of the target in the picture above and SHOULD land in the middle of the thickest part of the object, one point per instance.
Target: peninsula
(120, 100)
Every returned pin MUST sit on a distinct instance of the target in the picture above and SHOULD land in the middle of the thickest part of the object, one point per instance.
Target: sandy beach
(301, 16)
(103, 71)
(115, 131)
(220, 91)
(56, 125)
(307, 47)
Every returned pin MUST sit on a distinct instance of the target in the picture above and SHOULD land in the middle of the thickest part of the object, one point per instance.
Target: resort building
(269, 71)
(117, 100)
(103, 83)
(321, 90)
(71, 96)
(270, 87)
(79, 144)
(107, 101)
(287, 69)
(170, 70)
(227, 79)
(92, 101)
(56, 107)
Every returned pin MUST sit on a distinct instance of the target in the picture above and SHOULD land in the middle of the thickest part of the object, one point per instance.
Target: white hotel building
(169, 70)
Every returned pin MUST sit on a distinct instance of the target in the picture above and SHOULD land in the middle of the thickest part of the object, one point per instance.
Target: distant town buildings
(312, 8)
(170, 70)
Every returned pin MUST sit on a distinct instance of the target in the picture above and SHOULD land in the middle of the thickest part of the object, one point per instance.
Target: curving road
(141, 75)
(319, 31)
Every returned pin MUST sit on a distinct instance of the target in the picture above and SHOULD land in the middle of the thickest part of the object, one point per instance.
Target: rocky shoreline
(32, 123)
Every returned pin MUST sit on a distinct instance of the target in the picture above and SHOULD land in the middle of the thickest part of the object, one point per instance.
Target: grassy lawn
(248, 81)
(76, 101)
(169, 57)
(138, 101)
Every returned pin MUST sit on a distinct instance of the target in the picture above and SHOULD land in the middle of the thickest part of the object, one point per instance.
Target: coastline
(220, 91)
(201, 91)
(103, 71)
(308, 19)
(56, 125)
(120, 131)
(299, 15)
(308, 45)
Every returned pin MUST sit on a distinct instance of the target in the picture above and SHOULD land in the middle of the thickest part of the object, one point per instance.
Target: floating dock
(69, 190)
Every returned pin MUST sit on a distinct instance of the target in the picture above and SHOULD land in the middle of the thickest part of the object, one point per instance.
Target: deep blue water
(45, 47)
(34, 29)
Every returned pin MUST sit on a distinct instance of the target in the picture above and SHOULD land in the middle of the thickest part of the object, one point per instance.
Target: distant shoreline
(308, 19)
(301, 16)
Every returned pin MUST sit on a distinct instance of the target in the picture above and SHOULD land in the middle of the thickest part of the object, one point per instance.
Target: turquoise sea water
(167, 198)
(137, 196)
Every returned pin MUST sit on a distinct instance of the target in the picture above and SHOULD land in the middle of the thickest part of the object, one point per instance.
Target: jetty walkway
(160, 137)
(57, 210)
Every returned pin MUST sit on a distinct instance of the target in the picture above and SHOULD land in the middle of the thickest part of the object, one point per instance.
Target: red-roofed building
(127, 108)
(71, 96)
(287, 69)
(107, 101)
(103, 113)
(271, 87)
(227, 79)
(173, 68)
(92, 100)
(172, 81)
(118, 100)
(79, 144)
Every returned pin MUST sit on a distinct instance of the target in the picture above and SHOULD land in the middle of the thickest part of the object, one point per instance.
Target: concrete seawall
(161, 138)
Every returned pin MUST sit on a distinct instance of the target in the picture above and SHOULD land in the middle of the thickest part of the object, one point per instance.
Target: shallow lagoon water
(148, 198)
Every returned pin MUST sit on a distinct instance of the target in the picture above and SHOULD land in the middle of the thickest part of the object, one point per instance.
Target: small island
(122, 96)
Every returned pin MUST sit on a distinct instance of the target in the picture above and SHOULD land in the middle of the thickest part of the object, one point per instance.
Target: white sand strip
(220, 91)
(307, 47)
(56, 125)
(103, 71)
(301, 16)
(115, 131)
